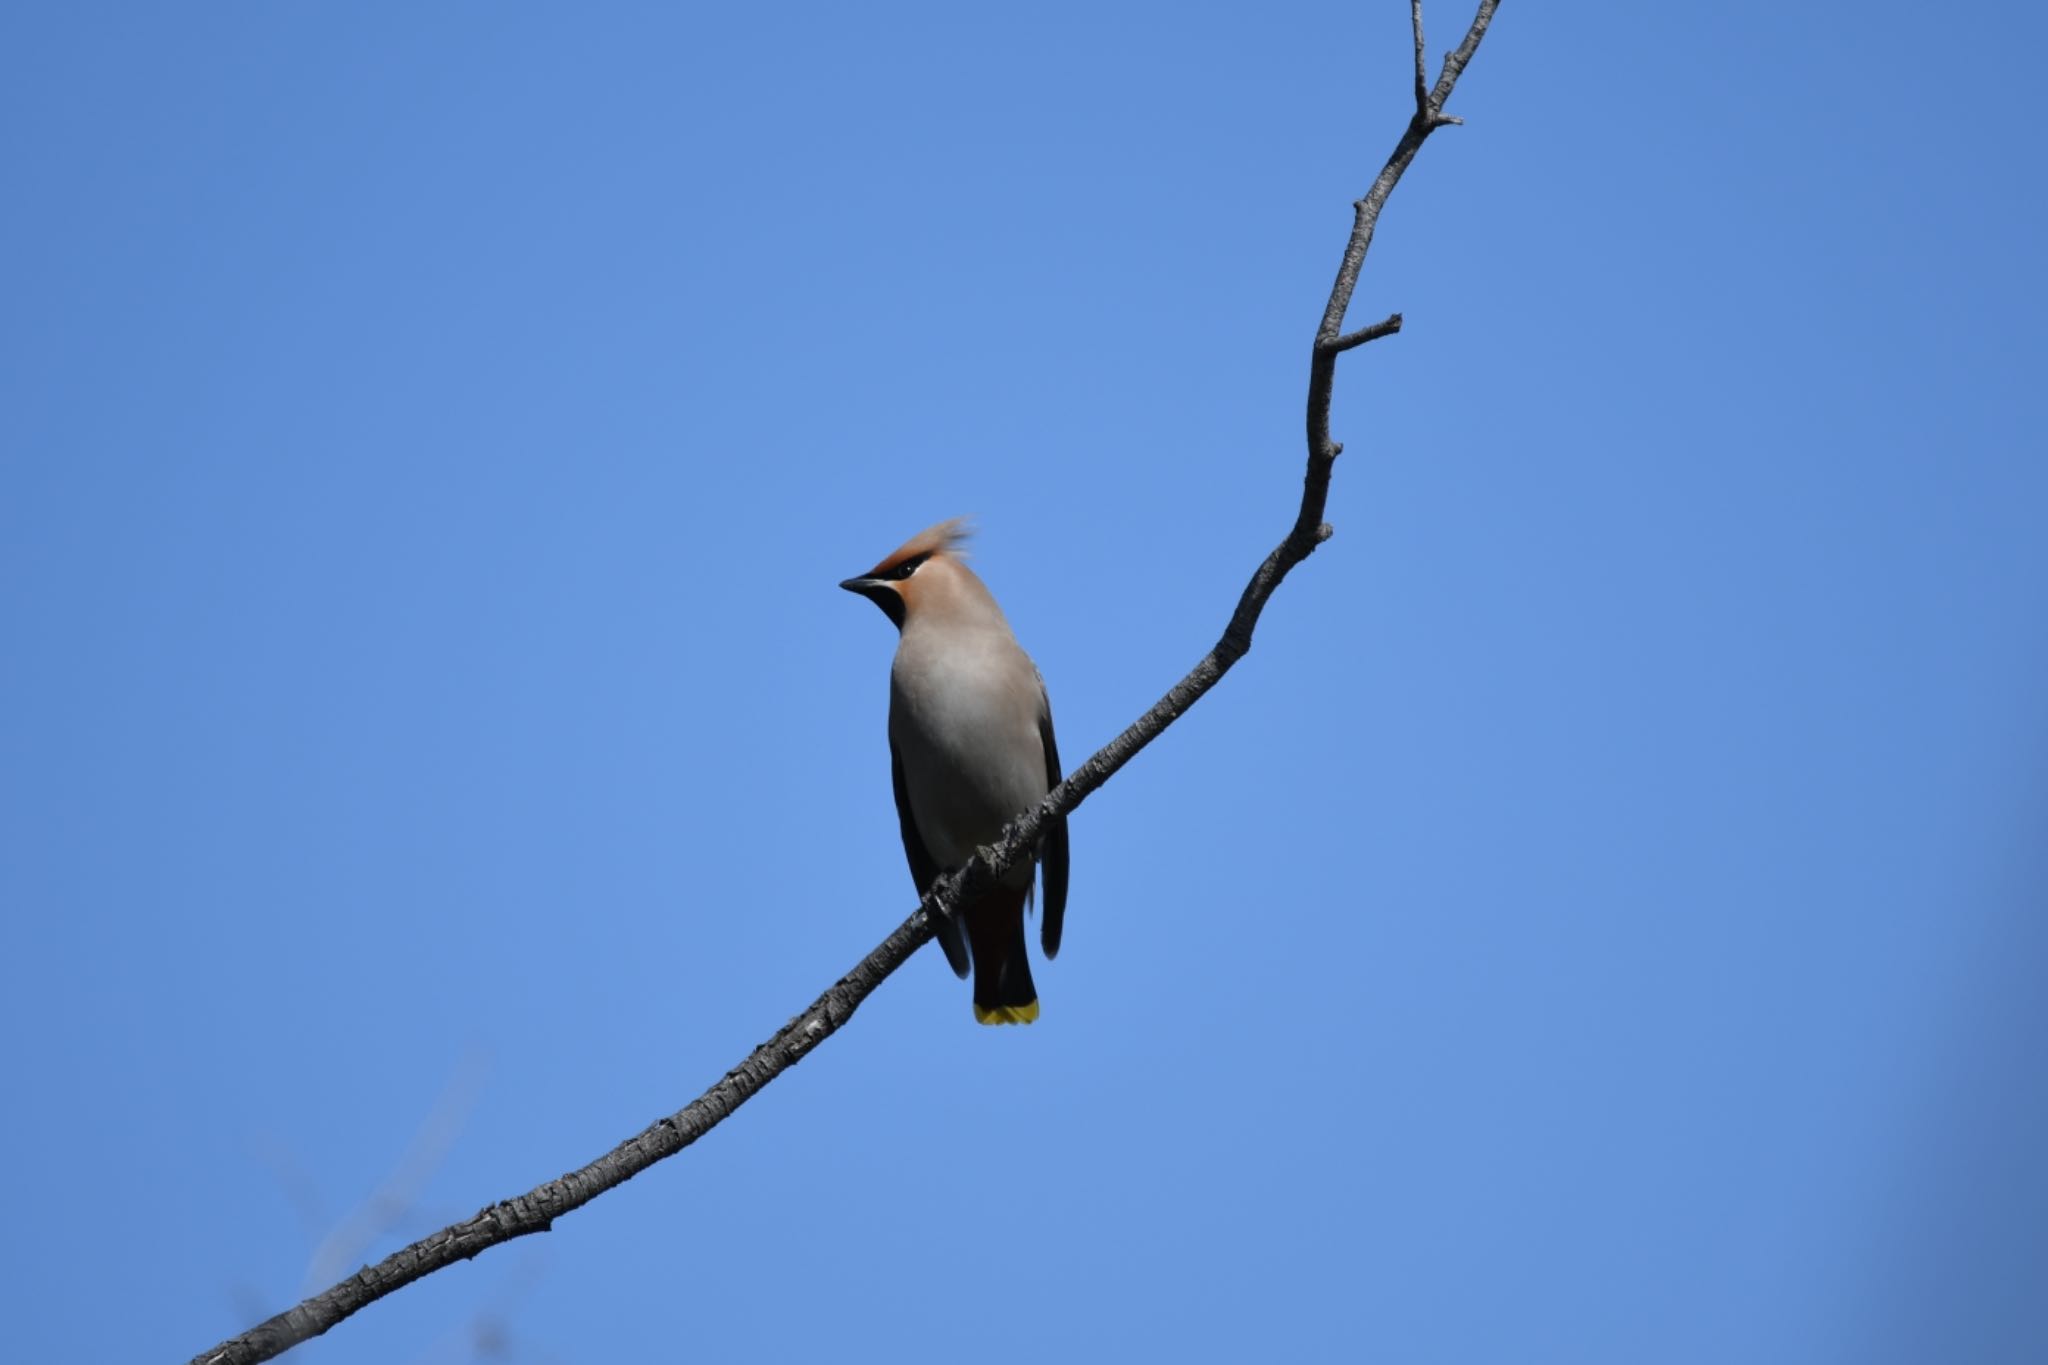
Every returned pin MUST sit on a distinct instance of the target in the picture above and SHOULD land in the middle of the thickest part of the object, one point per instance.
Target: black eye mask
(905, 569)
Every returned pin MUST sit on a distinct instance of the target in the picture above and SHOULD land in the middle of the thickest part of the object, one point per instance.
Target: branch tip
(1386, 327)
(1421, 63)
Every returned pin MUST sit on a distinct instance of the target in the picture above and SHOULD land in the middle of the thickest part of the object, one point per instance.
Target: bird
(970, 749)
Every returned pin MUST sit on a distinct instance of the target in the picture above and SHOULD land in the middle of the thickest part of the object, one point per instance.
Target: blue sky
(1600, 921)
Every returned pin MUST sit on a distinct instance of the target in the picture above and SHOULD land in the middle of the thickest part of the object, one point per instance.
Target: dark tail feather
(1003, 993)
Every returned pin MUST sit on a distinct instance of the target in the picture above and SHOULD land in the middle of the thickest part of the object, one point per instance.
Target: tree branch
(1421, 62)
(537, 1209)
(1384, 328)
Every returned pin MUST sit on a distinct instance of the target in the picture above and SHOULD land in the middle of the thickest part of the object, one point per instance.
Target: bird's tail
(1003, 993)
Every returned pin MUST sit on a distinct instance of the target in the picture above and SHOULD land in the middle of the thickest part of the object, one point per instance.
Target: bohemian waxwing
(970, 740)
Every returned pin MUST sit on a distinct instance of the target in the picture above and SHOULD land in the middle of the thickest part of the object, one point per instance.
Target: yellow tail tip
(1007, 1014)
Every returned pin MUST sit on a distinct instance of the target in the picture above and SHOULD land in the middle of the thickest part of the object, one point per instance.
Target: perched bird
(970, 740)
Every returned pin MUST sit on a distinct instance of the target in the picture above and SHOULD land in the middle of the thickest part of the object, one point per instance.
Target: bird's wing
(1052, 847)
(923, 870)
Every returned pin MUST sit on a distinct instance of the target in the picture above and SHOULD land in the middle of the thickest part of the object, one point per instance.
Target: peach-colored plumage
(949, 536)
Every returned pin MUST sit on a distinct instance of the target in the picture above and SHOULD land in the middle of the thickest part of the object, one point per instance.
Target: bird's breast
(964, 716)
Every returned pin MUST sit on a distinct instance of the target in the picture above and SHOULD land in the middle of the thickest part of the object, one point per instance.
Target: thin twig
(1421, 63)
(1385, 328)
(536, 1210)
(1455, 61)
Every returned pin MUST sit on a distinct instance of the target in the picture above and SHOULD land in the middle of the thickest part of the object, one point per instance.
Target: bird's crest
(947, 536)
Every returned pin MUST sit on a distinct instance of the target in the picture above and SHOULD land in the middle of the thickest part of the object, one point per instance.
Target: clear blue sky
(1600, 922)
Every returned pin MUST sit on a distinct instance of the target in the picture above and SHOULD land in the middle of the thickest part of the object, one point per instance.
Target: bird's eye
(905, 569)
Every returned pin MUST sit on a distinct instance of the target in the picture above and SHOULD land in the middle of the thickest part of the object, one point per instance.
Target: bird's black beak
(880, 592)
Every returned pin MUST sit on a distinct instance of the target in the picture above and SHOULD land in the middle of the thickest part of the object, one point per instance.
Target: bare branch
(1386, 328)
(1421, 63)
(1429, 116)
(536, 1210)
(1454, 62)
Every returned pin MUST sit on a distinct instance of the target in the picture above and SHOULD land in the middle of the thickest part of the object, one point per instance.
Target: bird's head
(926, 568)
